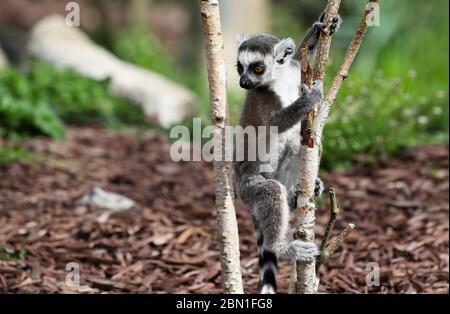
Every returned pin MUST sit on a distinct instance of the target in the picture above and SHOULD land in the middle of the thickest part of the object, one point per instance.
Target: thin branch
(323, 47)
(350, 54)
(226, 216)
(339, 240)
(334, 213)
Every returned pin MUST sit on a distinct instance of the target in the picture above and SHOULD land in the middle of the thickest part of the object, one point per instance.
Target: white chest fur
(287, 88)
(287, 85)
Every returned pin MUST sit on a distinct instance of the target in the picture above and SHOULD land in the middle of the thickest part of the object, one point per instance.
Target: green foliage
(40, 101)
(9, 254)
(374, 125)
(22, 117)
(142, 48)
(12, 155)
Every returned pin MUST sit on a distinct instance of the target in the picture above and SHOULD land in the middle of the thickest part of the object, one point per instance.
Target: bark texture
(226, 215)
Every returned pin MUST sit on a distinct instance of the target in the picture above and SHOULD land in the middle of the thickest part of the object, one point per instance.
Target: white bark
(67, 47)
(226, 215)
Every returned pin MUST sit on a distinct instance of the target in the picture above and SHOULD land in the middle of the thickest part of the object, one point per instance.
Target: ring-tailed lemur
(269, 70)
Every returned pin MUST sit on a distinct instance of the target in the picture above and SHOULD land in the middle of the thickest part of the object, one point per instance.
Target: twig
(334, 213)
(340, 239)
(336, 243)
(350, 55)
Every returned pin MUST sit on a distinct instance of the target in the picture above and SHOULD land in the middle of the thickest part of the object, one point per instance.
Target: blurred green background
(396, 95)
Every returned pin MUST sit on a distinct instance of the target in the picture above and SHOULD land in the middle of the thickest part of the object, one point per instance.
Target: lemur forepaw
(335, 24)
(312, 96)
(305, 251)
(319, 188)
(320, 25)
(295, 190)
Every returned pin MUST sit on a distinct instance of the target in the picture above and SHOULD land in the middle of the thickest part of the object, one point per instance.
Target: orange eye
(259, 69)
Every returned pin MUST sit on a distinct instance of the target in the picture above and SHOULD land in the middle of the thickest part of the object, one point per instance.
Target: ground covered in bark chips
(167, 243)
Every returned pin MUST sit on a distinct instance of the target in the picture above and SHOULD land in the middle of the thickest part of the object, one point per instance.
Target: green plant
(11, 254)
(11, 155)
(142, 48)
(22, 117)
(40, 101)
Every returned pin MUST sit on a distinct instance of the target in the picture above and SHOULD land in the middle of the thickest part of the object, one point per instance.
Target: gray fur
(263, 43)
(282, 49)
(312, 35)
(286, 118)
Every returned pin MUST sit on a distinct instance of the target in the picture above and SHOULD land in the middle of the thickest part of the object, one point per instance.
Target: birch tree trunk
(226, 215)
(310, 152)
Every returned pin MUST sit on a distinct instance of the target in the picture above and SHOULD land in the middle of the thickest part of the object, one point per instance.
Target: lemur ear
(241, 38)
(283, 50)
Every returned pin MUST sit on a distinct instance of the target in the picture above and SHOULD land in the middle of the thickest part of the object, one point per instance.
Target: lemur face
(261, 59)
(254, 69)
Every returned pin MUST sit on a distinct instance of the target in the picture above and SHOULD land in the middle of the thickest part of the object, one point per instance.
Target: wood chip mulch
(167, 244)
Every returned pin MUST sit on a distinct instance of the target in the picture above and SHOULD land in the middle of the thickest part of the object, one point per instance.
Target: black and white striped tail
(267, 268)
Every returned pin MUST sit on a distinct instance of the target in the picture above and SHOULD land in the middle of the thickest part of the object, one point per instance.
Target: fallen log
(165, 102)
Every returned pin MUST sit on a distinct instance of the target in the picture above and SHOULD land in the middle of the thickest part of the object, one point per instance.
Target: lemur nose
(245, 82)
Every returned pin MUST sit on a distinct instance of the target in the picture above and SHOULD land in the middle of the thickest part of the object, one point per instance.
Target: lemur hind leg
(268, 201)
